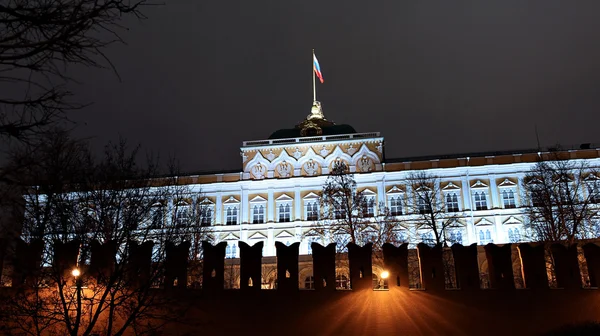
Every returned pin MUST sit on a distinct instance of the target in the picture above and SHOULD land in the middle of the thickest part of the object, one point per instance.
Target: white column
(219, 209)
(494, 199)
(297, 204)
(381, 199)
(270, 206)
(471, 236)
(245, 206)
(270, 248)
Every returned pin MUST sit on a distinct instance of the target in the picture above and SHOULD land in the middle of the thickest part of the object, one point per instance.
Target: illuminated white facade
(276, 195)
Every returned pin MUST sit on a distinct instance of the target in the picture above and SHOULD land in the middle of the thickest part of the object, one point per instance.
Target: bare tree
(432, 210)
(350, 215)
(39, 41)
(107, 208)
(561, 201)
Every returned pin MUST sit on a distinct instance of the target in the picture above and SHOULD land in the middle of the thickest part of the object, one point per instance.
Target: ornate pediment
(258, 199)
(284, 234)
(451, 187)
(284, 198)
(231, 236)
(231, 200)
(484, 222)
(507, 183)
(395, 190)
(479, 185)
(257, 235)
(512, 220)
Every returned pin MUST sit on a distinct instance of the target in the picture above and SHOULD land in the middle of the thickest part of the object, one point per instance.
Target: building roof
(314, 124)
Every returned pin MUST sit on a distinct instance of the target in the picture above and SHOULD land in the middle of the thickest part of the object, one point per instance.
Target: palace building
(276, 195)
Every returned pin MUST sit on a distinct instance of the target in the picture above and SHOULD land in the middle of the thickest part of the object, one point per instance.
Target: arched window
(452, 202)
(341, 282)
(312, 211)
(508, 198)
(309, 282)
(231, 215)
(285, 213)
(456, 237)
(480, 201)
(514, 236)
(258, 214)
(395, 206)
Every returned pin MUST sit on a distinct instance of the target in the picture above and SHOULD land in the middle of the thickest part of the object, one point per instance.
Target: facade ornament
(324, 152)
(270, 156)
(284, 169)
(316, 112)
(244, 157)
(365, 164)
(258, 171)
(297, 153)
(380, 147)
(311, 168)
(351, 150)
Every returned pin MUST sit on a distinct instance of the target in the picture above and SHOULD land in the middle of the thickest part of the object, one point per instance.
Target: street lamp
(385, 274)
(75, 272)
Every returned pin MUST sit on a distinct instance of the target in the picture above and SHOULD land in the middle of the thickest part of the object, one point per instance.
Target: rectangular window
(312, 211)
(206, 215)
(514, 236)
(338, 212)
(485, 237)
(423, 204)
(452, 202)
(480, 201)
(395, 206)
(508, 198)
(182, 216)
(258, 214)
(369, 209)
(285, 212)
(157, 217)
(231, 251)
(231, 215)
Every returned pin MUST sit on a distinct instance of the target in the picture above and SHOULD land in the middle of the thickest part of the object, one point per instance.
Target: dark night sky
(435, 77)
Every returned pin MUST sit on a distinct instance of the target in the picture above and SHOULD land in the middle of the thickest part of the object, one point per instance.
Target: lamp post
(76, 274)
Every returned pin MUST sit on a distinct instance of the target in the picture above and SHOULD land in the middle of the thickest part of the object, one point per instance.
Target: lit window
(157, 216)
(231, 251)
(312, 211)
(182, 215)
(369, 208)
(508, 198)
(231, 215)
(480, 200)
(485, 237)
(456, 237)
(423, 203)
(395, 206)
(285, 212)
(427, 238)
(206, 215)
(341, 282)
(452, 202)
(309, 282)
(594, 192)
(258, 214)
(338, 212)
(514, 236)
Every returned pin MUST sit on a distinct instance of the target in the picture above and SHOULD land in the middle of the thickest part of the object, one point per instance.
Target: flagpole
(314, 83)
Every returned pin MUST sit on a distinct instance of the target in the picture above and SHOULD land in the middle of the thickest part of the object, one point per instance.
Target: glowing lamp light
(76, 272)
(385, 274)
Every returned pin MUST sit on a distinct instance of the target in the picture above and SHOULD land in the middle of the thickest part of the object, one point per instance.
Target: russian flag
(317, 68)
